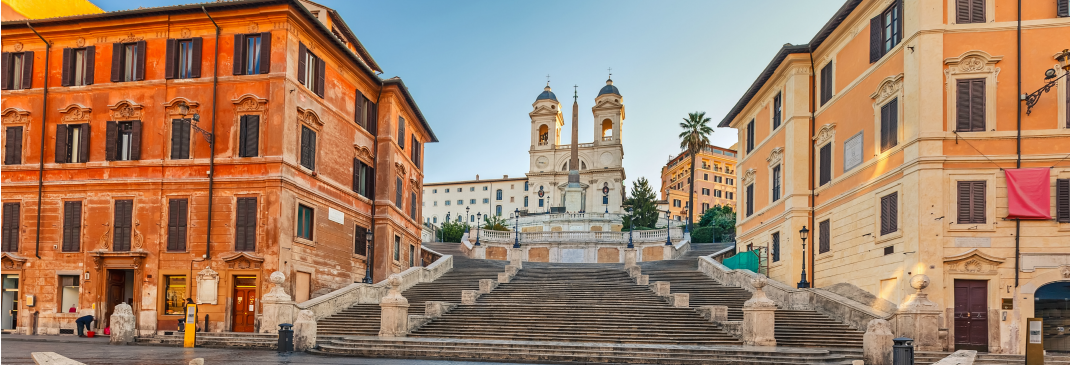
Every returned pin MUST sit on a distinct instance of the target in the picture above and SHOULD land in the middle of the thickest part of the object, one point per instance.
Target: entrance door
(971, 315)
(9, 315)
(244, 303)
(1053, 305)
(116, 291)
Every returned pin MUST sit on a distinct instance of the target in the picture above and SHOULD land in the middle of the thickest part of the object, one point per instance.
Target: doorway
(1052, 303)
(244, 303)
(119, 288)
(9, 318)
(971, 315)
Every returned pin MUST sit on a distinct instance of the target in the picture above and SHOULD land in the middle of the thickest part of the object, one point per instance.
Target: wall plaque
(336, 215)
(973, 242)
(852, 152)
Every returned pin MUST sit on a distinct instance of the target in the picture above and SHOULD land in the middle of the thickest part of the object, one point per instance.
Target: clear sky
(475, 67)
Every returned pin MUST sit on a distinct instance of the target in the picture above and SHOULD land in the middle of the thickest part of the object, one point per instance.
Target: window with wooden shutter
(321, 75)
(11, 227)
(177, 226)
(401, 132)
(360, 241)
(971, 202)
(890, 213)
(750, 136)
(122, 225)
(777, 111)
(7, 61)
(890, 125)
(414, 153)
(825, 161)
(970, 11)
(775, 247)
(13, 146)
(824, 229)
(369, 182)
(183, 58)
(1062, 200)
(61, 143)
(180, 130)
(970, 105)
(77, 66)
(128, 61)
(776, 183)
(412, 205)
(308, 148)
(72, 226)
(885, 31)
(397, 193)
(372, 111)
(750, 199)
(72, 143)
(1062, 8)
(249, 136)
(358, 110)
(245, 225)
(17, 70)
(826, 83)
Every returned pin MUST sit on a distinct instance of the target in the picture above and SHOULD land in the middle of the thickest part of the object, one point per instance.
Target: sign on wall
(336, 215)
(852, 152)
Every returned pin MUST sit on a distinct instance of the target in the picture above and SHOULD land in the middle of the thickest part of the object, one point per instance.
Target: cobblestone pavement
(98, 351)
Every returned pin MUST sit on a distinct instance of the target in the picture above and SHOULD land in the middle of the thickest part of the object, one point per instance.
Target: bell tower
(546, 121)
(608, 113)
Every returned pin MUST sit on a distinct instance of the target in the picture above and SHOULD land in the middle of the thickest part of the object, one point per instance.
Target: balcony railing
(607, 138)
(567, 146)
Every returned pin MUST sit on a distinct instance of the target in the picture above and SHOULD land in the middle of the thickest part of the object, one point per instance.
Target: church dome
(547, 94)
(609, 89)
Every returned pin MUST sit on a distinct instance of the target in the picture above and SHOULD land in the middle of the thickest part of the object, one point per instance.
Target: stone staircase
(928, 358)
(216, 339)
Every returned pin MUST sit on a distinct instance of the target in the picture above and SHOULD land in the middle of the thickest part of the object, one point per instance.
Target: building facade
(463, 200)
(889, 136)
(181, 160)
(715, 181)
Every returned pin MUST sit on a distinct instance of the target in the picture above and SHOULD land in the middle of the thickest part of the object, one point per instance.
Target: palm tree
(693, 139)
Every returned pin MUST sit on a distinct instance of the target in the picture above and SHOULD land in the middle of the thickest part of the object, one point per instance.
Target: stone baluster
(394, 320)
(759, 317)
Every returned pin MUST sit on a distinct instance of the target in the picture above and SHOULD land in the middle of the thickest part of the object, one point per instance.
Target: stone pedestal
(643, 280)
(437, 309)
(504, 277)
(635, 271)
(919, 318)
(661, 288)
(573, 198)
(305, 331)
(512, 269)
(486, 285)
(681, 300)
(276, 306)
(759, 317)
(123, 326)
(394, 321)
(469, 296)
(516, 257)
(715, 313)
(629, 257)
(877, 343)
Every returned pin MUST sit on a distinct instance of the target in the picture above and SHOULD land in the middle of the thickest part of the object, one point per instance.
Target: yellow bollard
(191, 325)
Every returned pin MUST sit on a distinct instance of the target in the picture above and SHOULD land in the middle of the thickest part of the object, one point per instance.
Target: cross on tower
(611, 73)
(575, 93)
(547, 79)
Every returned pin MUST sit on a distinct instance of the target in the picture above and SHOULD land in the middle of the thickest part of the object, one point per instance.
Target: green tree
(718, 223)
(495, 223)
(644, 205)
(694, 138)
(452, 231)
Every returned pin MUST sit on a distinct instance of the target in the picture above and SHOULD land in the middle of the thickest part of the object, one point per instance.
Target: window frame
(184, 224)
(179, 309)
(12, 235)
(991, 188)
(307, 161)
(76, 224)
(777, 110)
(304, 223)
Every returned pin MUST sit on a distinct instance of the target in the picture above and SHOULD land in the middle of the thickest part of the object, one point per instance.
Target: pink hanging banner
(1029, 193)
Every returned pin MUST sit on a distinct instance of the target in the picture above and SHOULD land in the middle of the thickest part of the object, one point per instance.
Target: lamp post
(668, 228)
(631, 225)
(545, 204)
(479, 217)
(1049, 74)
(802, 234)
(605, 195)
(368, 235)
(516, 228)
(466, 215)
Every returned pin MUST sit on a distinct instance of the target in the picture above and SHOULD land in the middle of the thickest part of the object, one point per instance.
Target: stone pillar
(634, 271)
(512, 269)
(276, 306)
(877, 343)
(516, 257)
(919, 318)
(759, 317)
(486, 285)
(394, 320)
(629, 257)
(681, 300)
(643, 280)
(661, 288)
(469, 296)
(305, 331)
(123, 326)
(715, 313)
(503, 277)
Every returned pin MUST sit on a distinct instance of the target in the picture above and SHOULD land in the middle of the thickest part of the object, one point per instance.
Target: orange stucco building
(714, 181)
(888, 135)
(176, 155)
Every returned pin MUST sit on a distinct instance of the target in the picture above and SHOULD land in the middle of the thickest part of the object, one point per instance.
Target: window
(824, 236)
(249, 136)
(460, 201)
(676, 203)
(970, 105)
(72, 226)
(434, 191)
(78, 66)
(304, 222)
(174, 294)
(121, 228)
(183, 58)
(605, 200)
(498, 210)
(750, 136)
(705, 206)
(177, 226)
(448, 202)
(401, 133)
(310, 70)
(969, 11)
(526, 201)
(705, 177)
(776, 182)
(540, 203)
(128, 61)
(412, 206)
(730, 195)
(364, 113)
(1062, 200)
(499, 194)
(717, 193)
(750, 199)
(885, 31)
(415, 152)
(245, 225)
(471, 201)
(825, 155)
(486, 201)
(890, 125)
(826, 83)
(485, 188)
(471, 218)
(434, 219)
(1062, 8)
(72, 143)
(525, 186)
(308, 148)
(18, 70)
(471, 188)
(447, 190)
(397, 248)
(124, 141)
(889, 213)
(775, 247)
(512, 199)
(971, 202)
(68, 293)
(180, 129)
(412, 255)
(11, 227)
(364, 178)
(399, 187)
(705, 191)
(13, 146)
(252, 53)
(776, 111)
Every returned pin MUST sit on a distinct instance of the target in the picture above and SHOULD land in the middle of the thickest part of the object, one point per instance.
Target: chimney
(505, 176)
(477, 176)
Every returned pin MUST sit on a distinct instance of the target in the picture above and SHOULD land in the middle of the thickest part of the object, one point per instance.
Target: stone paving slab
(506, 343)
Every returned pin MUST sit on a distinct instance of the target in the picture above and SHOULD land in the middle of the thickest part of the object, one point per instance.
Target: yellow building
(40, 9)
(715, 176)
(889, 136)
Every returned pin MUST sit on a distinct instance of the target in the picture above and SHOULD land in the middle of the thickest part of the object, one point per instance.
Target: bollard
(286, 337)
(903, 351)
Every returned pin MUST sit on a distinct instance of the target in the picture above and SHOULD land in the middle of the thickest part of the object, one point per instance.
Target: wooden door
(116, 291)
(244, 304)
(971, 315)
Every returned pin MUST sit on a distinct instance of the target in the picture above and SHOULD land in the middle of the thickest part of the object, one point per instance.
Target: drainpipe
(1018, 161)
(810, 174)
(375, 160)
(41, 155)
(211, 144)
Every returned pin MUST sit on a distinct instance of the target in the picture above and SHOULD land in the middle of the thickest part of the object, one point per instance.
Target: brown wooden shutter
(373, 118)
(250, 136)
(358, 110)
(963, 202)
(977, 207)
(83, 143)
(27, 70)
(397, 194)
(13, 146)
(962, 105)
(825, 236)
(72, 226)
(302, 55)
(61, 143)
(321, 68)
(750, 199)
(195, 68)
(90, 64)
(66, 73)
(356, 175)
(889, 213)
(893, 123)
(977, 105)
(139, 73)
(169, 59)
(1062, 8)
(116, 62)
(312, 150)
(239, 54)
(5, 60)
(177, 140)
(135, 140)
(826, 164)
(110, 135)
(962, 11)
(265, 52)
(977, 11)
(245, 227)
(122, 225)
(369, 182)
(401, 132)
(11, 227)
(177, 217)
(875, 41)
(1062, 200)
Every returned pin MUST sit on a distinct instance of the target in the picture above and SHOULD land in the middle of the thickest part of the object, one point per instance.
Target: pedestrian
(83, 323)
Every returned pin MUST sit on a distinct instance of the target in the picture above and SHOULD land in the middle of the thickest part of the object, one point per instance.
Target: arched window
(607, 130)
(498, 210)
(525, 202)
(544, 135)
(434, 219)
(499, 195)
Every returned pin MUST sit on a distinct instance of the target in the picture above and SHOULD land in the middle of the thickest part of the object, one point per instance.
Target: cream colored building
(888, 136)
(463, 200)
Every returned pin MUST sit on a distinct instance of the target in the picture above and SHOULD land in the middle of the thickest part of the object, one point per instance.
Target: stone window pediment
(16, 116)
(126, 110)
(249, 103)
(174, 108)
(973, 261)
(775, 157)
(12, 261)
(74, 113)
(243, 260)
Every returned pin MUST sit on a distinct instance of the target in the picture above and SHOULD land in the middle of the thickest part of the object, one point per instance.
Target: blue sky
(475, 67)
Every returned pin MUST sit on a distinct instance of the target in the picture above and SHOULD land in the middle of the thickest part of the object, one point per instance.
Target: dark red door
(971, 315)
(116, 290)
(244, 303)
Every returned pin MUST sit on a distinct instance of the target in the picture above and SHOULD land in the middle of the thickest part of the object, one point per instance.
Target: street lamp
(466, 215)
(631, 225)
(1049, 74)
(668, 228)
(545, 204)
(479, 217)
(605, 195)
(803, 233)
(368, 235)
(516, 228)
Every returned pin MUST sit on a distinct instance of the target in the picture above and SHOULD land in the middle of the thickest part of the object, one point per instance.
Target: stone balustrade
(579, 236)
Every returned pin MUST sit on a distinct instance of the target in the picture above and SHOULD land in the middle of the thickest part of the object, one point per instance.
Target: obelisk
(574, 191)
